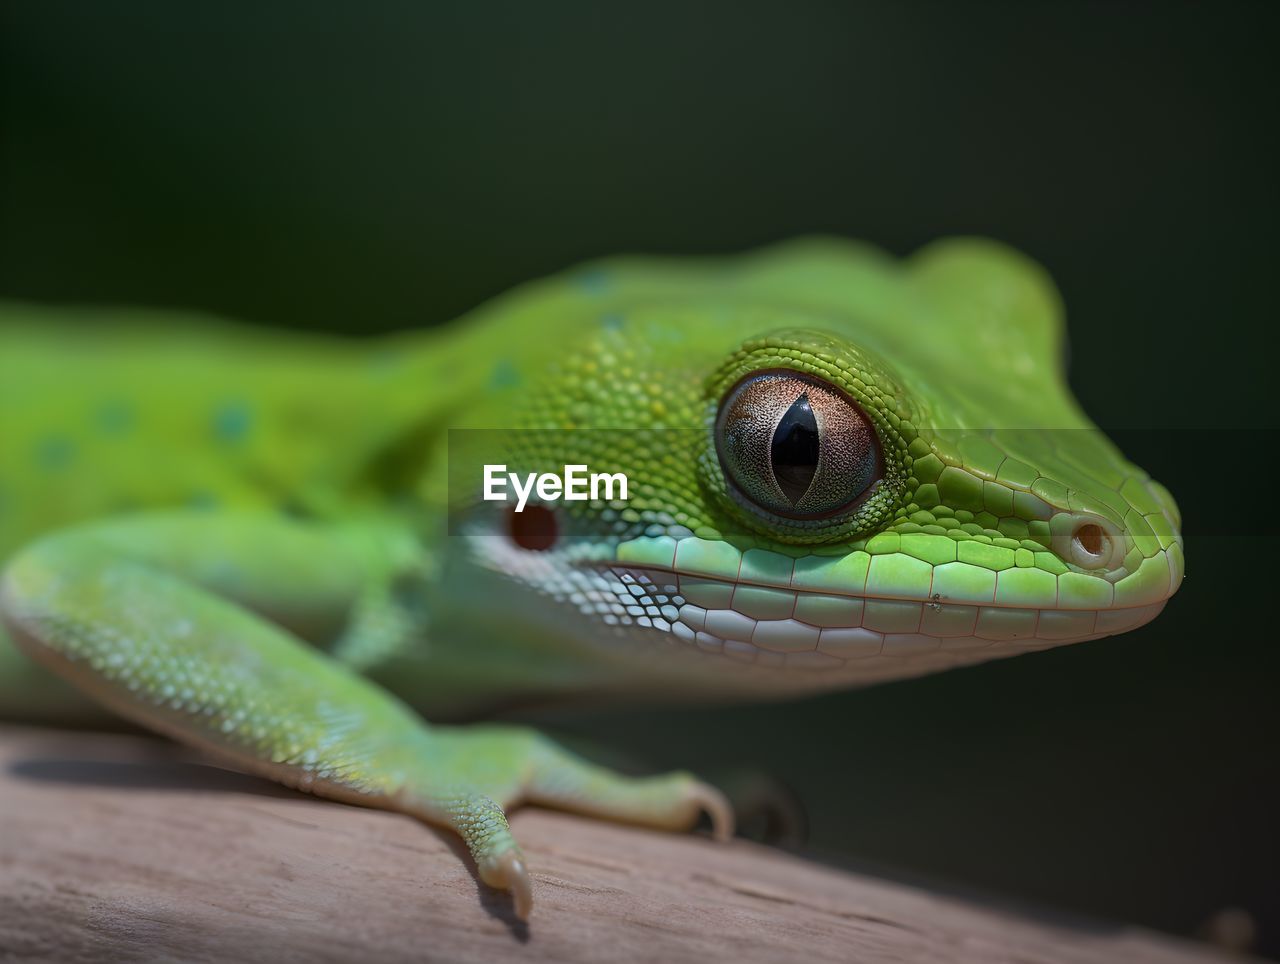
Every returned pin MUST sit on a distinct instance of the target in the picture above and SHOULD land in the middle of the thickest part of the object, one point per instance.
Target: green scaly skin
(271, 546)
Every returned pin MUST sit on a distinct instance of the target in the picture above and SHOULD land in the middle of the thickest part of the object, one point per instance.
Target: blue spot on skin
(115, 418)
(594, 281)
(613, 322)
(386, 362)
(232, 421)
(203, 501)
(55, 452)
(504, 375)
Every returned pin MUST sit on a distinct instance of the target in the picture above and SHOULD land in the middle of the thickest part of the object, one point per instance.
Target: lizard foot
(669, 801)
(492, 767)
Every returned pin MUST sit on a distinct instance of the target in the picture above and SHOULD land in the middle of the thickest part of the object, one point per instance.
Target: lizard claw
(508, 872)
(716, 805)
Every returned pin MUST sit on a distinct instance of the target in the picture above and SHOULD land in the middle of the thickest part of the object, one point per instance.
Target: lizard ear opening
(534, 529)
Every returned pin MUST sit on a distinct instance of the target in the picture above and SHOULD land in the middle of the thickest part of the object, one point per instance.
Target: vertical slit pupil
(795, 449)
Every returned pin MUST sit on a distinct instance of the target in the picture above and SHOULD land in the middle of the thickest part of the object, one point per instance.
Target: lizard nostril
(1091, 542)
(1086, 540)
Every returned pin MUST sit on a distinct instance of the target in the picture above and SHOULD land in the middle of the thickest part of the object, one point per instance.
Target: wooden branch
(124, 847)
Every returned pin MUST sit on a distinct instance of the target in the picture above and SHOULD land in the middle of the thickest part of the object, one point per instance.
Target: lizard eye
(795, 445)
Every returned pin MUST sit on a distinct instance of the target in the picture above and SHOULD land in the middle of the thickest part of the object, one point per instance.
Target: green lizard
(843, 469)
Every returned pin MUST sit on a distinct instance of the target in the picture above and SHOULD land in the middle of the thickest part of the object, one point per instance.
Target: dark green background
(384, 166)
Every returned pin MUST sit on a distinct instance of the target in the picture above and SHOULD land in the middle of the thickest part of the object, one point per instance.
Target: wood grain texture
(127, 848)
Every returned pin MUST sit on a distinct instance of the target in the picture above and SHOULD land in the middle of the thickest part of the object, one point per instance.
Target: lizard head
(887, 477)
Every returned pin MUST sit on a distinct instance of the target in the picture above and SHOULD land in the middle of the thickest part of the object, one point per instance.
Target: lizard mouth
(869, 636)
(838, 620)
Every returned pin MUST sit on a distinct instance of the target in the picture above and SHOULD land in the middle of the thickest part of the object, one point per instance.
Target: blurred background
(381, 166)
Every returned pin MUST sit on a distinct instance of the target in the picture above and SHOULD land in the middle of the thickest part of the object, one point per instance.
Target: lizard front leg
(179, 622)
